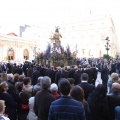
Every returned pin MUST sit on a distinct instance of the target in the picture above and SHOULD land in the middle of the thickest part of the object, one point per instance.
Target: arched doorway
(10, 53)
(26, 54)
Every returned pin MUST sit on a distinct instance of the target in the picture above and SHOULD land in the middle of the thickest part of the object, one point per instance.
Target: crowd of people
(31, 91)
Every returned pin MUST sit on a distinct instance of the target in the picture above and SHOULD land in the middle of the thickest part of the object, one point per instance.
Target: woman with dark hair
(98, 104)
(78, 94)
(11, 105)
(23, 101)
(28, 86)
(72, 82)
(16, 77)
(21, 77)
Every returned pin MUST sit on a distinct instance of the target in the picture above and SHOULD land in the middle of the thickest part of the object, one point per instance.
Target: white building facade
(16, 48)
(86, 37)
(89, 36)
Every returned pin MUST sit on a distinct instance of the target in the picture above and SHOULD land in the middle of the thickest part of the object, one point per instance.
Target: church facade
(16, 48)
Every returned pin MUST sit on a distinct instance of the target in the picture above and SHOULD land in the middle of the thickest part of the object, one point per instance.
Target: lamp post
(107, 46)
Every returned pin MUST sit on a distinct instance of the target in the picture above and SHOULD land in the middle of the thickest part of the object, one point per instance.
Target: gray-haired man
(43, 99)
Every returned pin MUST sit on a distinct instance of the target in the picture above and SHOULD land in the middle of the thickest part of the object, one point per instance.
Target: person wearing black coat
(57, 75)
(11, 84)
(89, 71)
(25, 67)
(4, 67)
(64, 73)
(114, 99)
(95, 72)
(43, 99)
(50, 71)
(9, 67)
(113, 67)
(47, 71)
(23, 100)
(10, 103)
(71, 72)
(18, 70)
(53, 75)
(118, 67)
(77, 75)
(42, 70)
(35, 76)
(30, 71)
(98, 104)
(88, 88)
(104, 75)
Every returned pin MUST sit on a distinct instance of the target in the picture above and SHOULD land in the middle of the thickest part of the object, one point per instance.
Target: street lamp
(107, 46)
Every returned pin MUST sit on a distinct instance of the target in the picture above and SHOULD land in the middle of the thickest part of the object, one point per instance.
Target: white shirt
(4, 118)
(31, 114)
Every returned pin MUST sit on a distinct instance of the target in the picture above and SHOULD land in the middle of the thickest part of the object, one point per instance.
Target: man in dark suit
(25, 67)
(88, 88)
(42, 70)
(53, 75)
(47, 70)
(18, 70)
(71, 72)
(77, 75)
(30, 71)
(4, 67)
(64, 73)
(11, 84)
(104, 75)
(9, 67)
(57, 75)
(95, 72)
(89, 71)
(113, 67)
(50, 72)
(35, 76)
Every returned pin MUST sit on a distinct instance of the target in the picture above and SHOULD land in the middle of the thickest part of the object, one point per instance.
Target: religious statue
(56, 38)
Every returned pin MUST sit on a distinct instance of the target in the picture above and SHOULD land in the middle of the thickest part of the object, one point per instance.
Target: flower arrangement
(59, 55)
